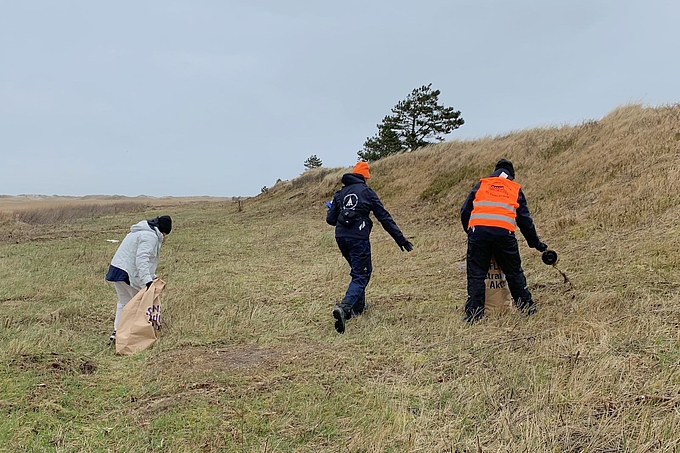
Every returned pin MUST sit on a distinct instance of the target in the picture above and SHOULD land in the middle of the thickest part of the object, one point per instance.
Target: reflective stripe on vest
(495, 203)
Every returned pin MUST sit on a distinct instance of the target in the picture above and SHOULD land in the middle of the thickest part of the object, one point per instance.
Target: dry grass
(68, 213)
(249, 360)
(25, 217)
(602, 194)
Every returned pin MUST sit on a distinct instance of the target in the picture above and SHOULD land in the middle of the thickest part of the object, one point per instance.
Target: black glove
(148, 285)
(406, 246)
(541, 246)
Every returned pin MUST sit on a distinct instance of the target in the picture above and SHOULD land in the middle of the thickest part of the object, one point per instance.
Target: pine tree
(414, 122)
(312, 162)
(384, 143)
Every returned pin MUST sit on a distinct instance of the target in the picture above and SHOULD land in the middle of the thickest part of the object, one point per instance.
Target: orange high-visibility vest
(495, 203)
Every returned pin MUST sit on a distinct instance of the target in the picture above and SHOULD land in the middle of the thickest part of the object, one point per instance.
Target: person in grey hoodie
(134, 264)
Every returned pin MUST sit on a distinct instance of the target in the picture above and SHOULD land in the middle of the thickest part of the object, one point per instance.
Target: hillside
(249, 360)
(596, 192)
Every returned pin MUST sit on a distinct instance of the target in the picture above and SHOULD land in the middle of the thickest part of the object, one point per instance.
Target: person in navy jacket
(349, 213)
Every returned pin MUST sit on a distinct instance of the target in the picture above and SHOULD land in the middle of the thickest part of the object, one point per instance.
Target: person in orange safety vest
(490, 215)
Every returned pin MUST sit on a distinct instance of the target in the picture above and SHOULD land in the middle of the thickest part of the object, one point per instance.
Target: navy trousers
(483, 243)
(357, 252)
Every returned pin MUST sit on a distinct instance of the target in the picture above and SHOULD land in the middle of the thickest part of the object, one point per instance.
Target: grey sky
(222, 98)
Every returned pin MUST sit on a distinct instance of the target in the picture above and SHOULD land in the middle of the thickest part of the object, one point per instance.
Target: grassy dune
(249, 360)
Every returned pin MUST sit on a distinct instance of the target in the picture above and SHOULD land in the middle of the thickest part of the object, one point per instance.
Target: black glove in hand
(406, 246)
(541, 246)
(148, 285)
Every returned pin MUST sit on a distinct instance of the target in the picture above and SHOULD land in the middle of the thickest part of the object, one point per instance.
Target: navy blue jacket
(357, 196)
(524, 220)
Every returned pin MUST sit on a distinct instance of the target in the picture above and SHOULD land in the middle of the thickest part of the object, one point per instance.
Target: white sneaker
(113, 336)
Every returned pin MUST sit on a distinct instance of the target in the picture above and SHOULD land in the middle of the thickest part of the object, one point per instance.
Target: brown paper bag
(140, 320)
(498, 295)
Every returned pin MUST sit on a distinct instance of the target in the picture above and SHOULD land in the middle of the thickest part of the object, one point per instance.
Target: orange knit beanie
(361, 168)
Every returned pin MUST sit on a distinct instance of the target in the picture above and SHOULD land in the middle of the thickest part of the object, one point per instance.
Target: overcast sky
(222, 98)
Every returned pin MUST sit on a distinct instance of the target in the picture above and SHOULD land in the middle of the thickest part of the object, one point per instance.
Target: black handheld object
(549, 257)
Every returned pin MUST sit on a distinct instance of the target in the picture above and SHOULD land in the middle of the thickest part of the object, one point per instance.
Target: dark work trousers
(357, 252)
(483, 243)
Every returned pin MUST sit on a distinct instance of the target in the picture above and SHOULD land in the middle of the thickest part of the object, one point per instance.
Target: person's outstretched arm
(387, 222)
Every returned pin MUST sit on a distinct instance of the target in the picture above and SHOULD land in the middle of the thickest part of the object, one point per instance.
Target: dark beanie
(165, 224)
(506, 165)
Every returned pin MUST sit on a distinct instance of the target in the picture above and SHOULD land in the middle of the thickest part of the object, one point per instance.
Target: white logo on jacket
(350, 202)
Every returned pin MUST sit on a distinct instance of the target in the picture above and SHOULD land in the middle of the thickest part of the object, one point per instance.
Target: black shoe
(472, 318)
(530, 309)
(112, 338)
(356, 312)
(339, 315)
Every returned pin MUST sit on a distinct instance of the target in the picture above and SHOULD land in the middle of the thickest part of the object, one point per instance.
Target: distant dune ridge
(49, 209)
(573, 175)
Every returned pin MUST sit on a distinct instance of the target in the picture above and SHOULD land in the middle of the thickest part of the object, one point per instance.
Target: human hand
(406, 246)
(541, 246)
